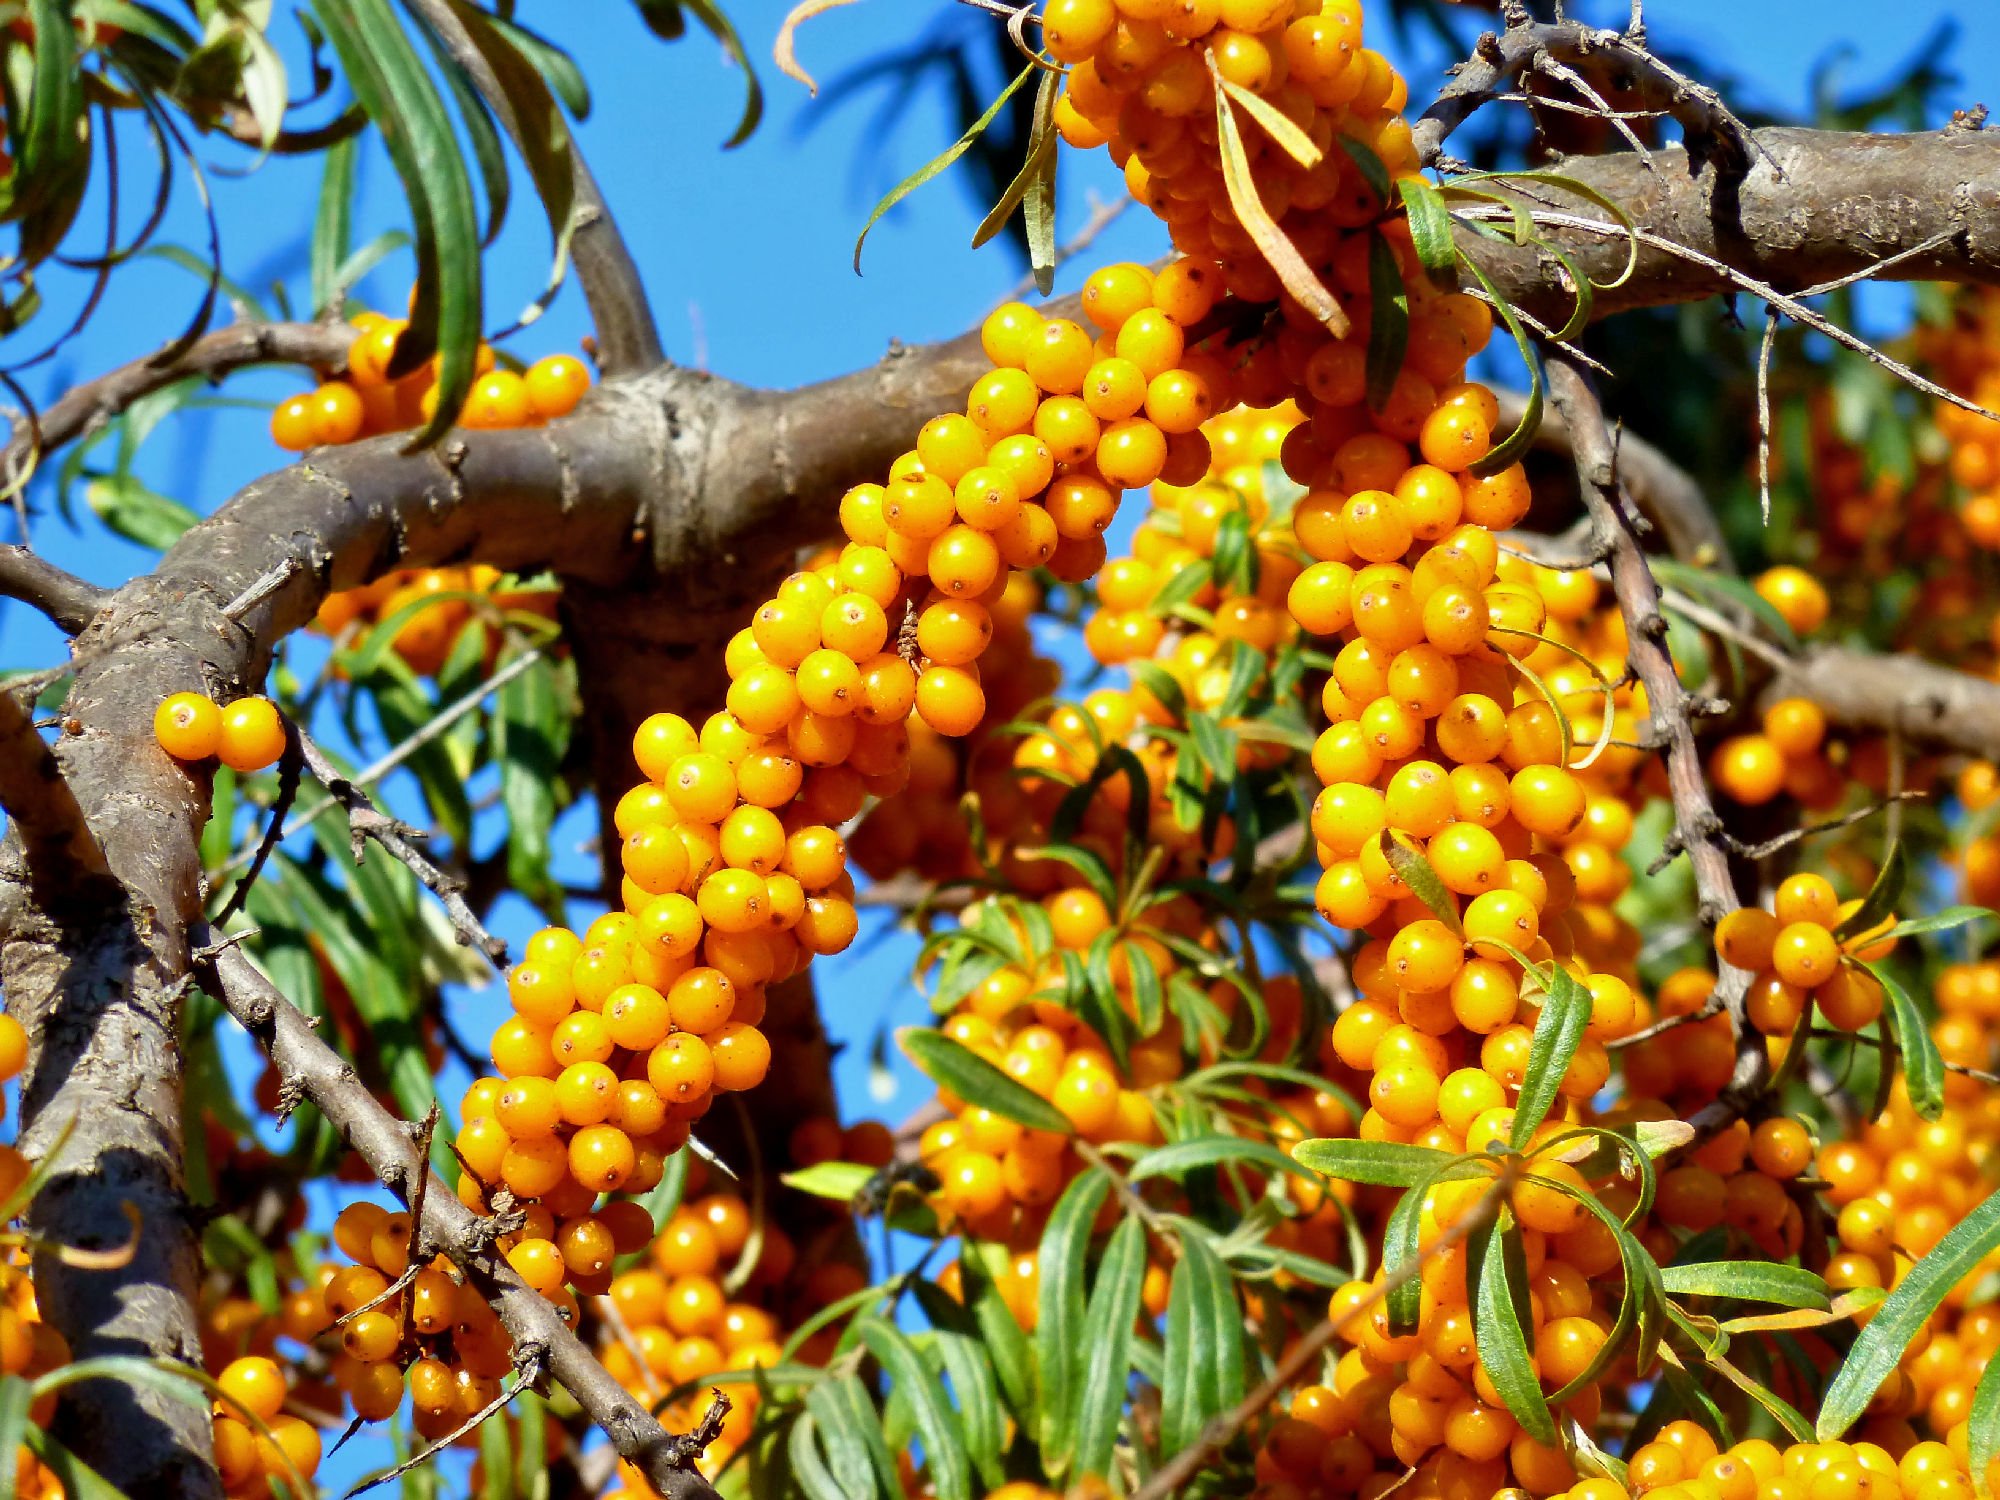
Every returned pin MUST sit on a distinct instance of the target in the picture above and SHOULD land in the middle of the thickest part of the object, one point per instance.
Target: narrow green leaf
(975, 1391)
(1727, 588)
(1511, 447)
(1214, 1151)
(1880, 902)
(719, 26)
(1389, 320)
(1373, 171)
(1902, 1313)
(1006, 1341)
(1430, 229)
(1176, 591)
(951, 1064)
(1746, 1281)
(1565, 1014)
(817, 1474)
(1234, 558)
(945, 1457)
(333, 223)
(397, 91)
(1381, 1163)
(941, 161)
(1415, 872)
(137, 513)
(1042, 143)
(1202, 1374)
(15, 1399)
(1982, 1436)
(533, 733)
(1107, 1340)
(1944, 921)
(1060, 1315)
(1923, 1065)
(79, 1480)
(1497, 1268)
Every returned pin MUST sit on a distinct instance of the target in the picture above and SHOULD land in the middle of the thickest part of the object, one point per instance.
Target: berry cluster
(367, 402)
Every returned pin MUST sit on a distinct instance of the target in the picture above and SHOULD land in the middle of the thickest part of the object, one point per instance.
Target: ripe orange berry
(1796, 595)
(251, 736)
(555, 383)
(188, 726)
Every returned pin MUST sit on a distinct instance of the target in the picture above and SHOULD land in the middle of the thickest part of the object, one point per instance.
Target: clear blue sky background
(746, 255)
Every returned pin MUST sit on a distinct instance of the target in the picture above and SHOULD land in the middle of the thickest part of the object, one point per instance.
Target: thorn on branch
(262, 588)
(366, 820)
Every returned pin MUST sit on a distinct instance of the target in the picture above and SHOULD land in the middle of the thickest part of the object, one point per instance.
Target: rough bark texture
(665, 503)
(1844, 203)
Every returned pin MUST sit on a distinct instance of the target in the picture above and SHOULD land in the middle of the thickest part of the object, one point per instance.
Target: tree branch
(1698, 829)
(1818, 205)
(100, 991)
(1562, 49)
(628, 340)
(367, 821)
(84, 408)
(1902, 693)
(39, 583)
(386, 1144)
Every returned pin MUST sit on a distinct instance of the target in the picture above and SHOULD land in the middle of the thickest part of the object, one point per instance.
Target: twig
(522, 1380)
(1876, 268)
(367, 821)
(1704, 119)
(419, 1250)
(1708, 1009)
(1185, 1465)
(288, 788)
(85, 408)
(1600, 107)
(1791, 307)
(1720, 624)
(433, 728)
(39, 583)
(1832, 825)
(628, 339)
(1764, 412)
(384, 1142)
(1698, 830)
(607, 1309)
(1129, 1196)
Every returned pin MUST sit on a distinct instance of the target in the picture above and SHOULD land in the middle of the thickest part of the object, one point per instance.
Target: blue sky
(747, 257)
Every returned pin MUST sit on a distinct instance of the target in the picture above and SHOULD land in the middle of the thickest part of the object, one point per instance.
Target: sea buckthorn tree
(1442, 783)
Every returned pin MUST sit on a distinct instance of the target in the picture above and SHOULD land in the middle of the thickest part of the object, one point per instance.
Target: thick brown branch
(85, 408)
(62, 596)
(628, 340)
(1844, 203)
(387, 1145)
(1903, 693)
(99, 993)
